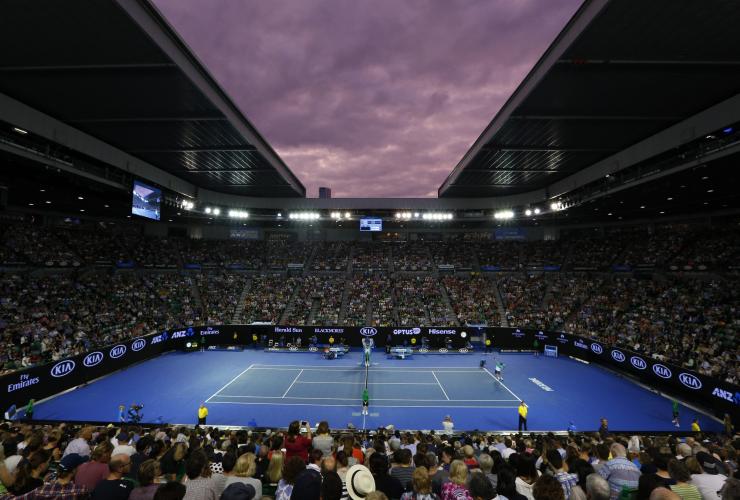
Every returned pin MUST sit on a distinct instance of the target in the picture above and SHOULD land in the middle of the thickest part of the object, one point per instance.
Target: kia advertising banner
(687, 385)
(43, 381)
(46, 380)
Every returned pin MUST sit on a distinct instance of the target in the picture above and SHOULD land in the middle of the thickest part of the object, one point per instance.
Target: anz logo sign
(368, 331)
(638, 362)
(690, 381)
(63, 368)
(138, 345)
(662, 371)
(92, 359)
(596, 348)
(117, 351)
(618, 356)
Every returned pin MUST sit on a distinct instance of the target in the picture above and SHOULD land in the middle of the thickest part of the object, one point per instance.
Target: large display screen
(367, 224)
(146, 201)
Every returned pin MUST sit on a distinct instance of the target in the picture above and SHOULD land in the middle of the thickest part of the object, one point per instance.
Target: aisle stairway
(239, 310)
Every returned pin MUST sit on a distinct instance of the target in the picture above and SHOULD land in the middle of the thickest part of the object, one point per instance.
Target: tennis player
(365, 402)
(497, 371)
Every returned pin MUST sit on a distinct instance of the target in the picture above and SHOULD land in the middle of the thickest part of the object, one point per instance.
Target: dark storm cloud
(373, 98)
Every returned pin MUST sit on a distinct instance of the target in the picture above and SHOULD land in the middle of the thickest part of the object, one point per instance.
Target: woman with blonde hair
(246, 466)
(422, 486)
(273, 474)
(457, 488)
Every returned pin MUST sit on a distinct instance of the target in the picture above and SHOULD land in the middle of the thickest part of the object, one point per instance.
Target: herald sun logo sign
(690, 381)
(117, 351)
(62, 368)
(92, 359)
(138, 345)
(368, 331)
(638, 362)
(596, 348)
(662, 371)
(618, 356)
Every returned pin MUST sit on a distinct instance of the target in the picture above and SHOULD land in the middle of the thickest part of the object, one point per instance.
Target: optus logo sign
(618, 356)
(92, 359)
(62, 368)
(662, 371)
(690, 381)
(368, 331)
(138, 345)
(117, 351)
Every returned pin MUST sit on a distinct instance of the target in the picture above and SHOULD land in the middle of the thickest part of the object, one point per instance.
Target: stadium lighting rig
(435, 216)
(213, 211)
(306, 216)
(238, 214)
(340, 215)
(503, 215)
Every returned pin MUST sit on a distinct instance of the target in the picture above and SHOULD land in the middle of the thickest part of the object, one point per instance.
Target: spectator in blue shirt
(620, 472)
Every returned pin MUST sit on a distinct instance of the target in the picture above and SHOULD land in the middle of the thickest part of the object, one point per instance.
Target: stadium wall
(43, 381)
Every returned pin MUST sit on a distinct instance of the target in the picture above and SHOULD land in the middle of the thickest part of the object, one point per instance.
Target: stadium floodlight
(503, 215)
(536, 211)
(208, 210)
(398, 215)
(416, 215)
(557, 206)
(347, 215)
(528, 212)
(238, 214)
(304, 215)
(216, 211)
(20, 131)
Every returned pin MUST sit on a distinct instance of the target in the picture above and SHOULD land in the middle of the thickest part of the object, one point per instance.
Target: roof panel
(118, 72)
(615, 76)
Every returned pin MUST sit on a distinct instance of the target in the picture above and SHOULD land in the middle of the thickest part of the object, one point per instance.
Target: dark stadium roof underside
(634, 70)
(94, 67)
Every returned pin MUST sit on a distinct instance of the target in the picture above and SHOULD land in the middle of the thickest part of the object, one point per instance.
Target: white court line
(229, 382)
(294, 380)
(375, 406)
(374, 399)
(354, 370)
(502, 384)
(401, 369)
(440, 386)
(369, 383)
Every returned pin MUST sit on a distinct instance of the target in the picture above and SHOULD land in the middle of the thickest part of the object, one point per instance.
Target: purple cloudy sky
(373, 98)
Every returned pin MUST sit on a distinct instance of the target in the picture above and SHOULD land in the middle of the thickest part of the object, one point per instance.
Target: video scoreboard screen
(367, 224)
(146, 200)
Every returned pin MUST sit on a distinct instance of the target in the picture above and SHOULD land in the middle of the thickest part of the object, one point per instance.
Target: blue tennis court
(269, 389)
(453, 387)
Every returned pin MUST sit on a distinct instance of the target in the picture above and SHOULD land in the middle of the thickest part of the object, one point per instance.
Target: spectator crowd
(301, 463)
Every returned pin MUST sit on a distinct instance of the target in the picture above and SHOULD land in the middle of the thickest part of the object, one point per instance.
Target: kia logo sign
(596, 348)
(92, 359)
(62, 368)
(368, 331)
(618, 356)
(690, 381)
(662, 371)
(638, 362)
(117, 351)
(138, 345)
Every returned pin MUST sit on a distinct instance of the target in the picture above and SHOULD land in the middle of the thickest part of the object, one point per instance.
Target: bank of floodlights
(437, 216)
(304, 216)
(238, 214)
(503, 215)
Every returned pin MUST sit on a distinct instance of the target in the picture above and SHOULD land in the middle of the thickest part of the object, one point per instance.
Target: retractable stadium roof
(115, 70)
(620, 72)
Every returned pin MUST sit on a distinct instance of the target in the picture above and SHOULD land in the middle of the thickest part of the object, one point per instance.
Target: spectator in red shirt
(296, 445)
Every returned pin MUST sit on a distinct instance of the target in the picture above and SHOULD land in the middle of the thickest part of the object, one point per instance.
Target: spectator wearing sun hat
(359, 481)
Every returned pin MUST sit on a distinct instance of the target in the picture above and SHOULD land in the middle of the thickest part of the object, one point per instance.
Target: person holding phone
(298, 440)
